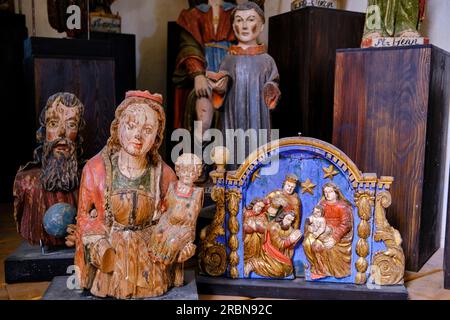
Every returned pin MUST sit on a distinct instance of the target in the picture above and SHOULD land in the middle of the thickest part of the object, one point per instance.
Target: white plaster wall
(148, 20)
(43, 28)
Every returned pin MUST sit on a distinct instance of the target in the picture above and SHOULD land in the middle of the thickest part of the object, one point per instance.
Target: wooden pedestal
(297, 289)
(12, 34)
(59, 290)
(99, 71)
(29, 264)
(303, 44)
(391, 116)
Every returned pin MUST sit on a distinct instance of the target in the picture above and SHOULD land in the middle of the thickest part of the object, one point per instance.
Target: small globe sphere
(58, 218)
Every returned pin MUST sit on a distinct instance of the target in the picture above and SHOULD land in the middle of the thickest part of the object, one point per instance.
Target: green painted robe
(397, 16)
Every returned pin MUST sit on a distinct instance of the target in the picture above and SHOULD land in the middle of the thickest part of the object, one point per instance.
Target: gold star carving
(308, 187)
(330, 172)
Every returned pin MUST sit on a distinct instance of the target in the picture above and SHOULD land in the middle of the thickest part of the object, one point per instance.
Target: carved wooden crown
(156, 97)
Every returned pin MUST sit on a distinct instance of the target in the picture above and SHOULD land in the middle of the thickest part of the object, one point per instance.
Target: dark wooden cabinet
(123, 49)
(15, 142)
(447, 251)
(99, 71)
(391, 117)
(303, 44)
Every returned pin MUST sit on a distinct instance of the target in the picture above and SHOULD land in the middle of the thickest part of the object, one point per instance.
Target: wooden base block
(297, 289)
(58, 290)
(387, 42)
(28, 264)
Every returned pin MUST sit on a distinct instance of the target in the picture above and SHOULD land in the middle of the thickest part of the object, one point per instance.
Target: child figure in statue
(176, 228)
(317, 228)
(251, 87)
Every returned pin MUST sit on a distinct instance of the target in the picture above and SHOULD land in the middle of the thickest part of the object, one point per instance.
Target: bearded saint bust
(53, 177)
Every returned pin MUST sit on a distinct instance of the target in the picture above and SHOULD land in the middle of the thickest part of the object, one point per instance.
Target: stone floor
(424, 285)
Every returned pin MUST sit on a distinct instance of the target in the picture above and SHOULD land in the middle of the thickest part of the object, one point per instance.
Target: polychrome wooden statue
(251, 87)
(175, 232)
(393, 23)
(271, 233)
(329, 236)
(255, 226)
(121, 198)
(286, 200)
(58, 16)
(347, 238)
(277, 250)
(53, 176)
(206, 34)
(102, 19)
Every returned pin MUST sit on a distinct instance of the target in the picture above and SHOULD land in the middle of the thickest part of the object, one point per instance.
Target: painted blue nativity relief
(299, 207)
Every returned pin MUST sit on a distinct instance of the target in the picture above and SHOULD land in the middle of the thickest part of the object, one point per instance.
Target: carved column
(388, 265)
(364, 201)
(212, 254)
(233, 197)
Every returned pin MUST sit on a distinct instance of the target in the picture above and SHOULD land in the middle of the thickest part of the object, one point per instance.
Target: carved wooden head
(61, 121)
(248, 22)
(188, 168)
(139, 126)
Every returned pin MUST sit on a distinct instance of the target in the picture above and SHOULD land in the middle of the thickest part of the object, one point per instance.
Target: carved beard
(59, 172)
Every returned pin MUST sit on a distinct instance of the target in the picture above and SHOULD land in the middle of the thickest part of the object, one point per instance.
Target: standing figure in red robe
(206, 35)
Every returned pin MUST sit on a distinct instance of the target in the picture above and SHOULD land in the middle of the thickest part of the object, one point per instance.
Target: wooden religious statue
(255, 225)
(53, 176)
(286, 199)
(58, 16)
(271, 228)
(7, 5)
(394, 23)
(101, 6)
(277, 250)
(100, 16)
(248, 83)
(125, 191)
(175, 231)
(206, 35)
(329, 235)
